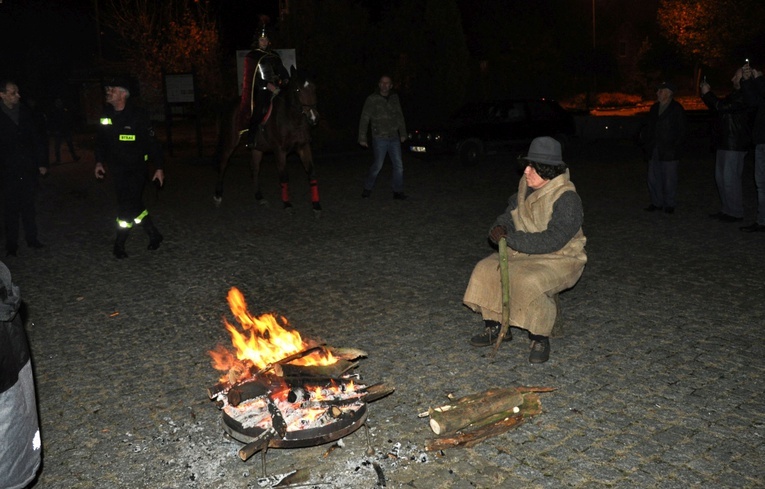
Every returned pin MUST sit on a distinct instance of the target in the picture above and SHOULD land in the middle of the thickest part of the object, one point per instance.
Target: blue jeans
(381, 147)
(759, 179)
(729, 167)
(662, 181)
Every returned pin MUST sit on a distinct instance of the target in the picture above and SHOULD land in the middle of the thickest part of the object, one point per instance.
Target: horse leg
(306, 157)
(284, 179)
(225, 157)
(257, 156)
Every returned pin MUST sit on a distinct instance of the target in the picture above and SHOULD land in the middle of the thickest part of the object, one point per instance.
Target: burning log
(332, 371)
(247, 390)
(377, 391)
(480, 422)
(291, 358)
(347, 353)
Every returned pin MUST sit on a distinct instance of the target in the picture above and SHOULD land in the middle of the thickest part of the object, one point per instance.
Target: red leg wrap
(285, 192)
(314, 191)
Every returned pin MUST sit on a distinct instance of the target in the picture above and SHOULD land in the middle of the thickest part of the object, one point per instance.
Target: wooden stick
(256, 445)
(503, 275)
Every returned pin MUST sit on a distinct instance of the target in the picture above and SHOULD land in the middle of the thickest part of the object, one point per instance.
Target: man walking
(125, 141)
(23, 155)
(732, 138)
(753, 86)
(662, 141)
(383, 110)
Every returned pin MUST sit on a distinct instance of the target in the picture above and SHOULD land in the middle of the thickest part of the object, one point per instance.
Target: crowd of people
(739, 127)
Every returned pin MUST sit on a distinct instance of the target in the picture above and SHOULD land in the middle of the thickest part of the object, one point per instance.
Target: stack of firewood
(472, 419)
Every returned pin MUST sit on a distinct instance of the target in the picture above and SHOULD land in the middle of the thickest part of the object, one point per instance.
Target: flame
(260, 341)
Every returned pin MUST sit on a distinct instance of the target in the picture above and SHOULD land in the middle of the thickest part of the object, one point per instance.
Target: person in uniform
(125, 142)
(264, 74)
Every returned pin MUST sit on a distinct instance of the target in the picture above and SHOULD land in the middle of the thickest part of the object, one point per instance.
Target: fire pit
(281, 391)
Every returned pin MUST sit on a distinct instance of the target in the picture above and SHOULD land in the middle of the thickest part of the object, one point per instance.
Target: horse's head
(305, 93)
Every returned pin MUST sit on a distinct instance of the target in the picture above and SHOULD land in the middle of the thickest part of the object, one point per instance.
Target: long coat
(534, 279)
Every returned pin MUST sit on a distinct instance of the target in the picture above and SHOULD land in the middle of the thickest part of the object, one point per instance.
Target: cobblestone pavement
(659, 377)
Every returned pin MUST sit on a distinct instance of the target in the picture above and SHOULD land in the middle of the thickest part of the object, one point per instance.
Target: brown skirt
(534, 282)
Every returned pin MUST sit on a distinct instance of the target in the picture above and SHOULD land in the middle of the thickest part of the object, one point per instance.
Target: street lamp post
(593, 63)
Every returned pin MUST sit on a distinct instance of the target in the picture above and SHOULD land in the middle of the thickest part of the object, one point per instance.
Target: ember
(280, 390)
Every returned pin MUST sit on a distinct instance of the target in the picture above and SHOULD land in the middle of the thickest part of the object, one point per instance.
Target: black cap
(668, 85)
(118, 81)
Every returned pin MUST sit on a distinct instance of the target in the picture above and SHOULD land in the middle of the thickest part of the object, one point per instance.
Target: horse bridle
(308, 110)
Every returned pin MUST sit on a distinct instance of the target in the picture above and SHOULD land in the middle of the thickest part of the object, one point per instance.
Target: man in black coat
(732, 138)
(126, 142)
(662, 140)
(23, 156)
(753, 86)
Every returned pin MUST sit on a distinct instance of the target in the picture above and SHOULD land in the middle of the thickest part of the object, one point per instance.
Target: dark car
(482, 128)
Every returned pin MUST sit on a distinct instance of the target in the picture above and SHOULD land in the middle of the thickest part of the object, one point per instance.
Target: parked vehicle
(479, 129)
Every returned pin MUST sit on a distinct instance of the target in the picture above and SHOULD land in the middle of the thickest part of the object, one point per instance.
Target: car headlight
(437, 137)
(429, 137)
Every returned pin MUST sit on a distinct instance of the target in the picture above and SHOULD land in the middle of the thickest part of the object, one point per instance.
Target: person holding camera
(753, 87)
(732, 139)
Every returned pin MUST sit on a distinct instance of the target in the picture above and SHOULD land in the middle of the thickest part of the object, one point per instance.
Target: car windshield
(490, 112)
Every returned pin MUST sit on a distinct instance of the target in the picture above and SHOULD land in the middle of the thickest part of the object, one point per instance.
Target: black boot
(119, 243)
(155, 238)
(490, 334)
(540, 348)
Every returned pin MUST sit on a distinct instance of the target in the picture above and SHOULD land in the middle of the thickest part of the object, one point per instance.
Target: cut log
(473, 408)
(492, 426)
(377, 391)
(247, 390)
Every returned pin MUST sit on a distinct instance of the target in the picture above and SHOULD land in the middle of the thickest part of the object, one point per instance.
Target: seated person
(543, 229)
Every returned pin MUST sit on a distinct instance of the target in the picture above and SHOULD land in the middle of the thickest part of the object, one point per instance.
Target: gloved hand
(496, 233)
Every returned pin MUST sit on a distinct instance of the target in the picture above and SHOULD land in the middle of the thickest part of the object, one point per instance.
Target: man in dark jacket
(753, 86)
(732, 138)
(125, 141)
(662, 139)
(23, 155)
(382, 109)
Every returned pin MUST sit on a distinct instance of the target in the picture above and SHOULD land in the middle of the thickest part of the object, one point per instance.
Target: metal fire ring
(344, 425)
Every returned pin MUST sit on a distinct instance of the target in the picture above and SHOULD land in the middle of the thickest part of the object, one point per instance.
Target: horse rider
(264, 74)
